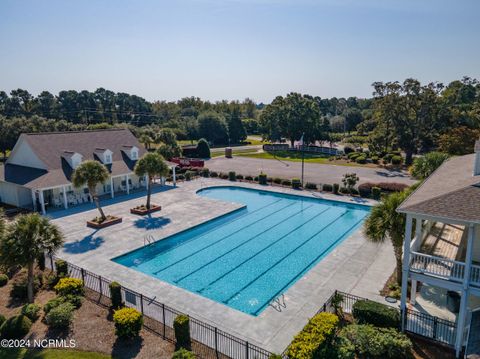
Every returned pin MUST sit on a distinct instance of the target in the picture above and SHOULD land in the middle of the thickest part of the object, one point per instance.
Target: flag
(300, 143)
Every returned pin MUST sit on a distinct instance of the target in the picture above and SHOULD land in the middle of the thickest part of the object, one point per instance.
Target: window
(134, 155)
(108, 158)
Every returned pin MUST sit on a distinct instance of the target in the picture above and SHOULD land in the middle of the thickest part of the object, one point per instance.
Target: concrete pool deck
(355, 266)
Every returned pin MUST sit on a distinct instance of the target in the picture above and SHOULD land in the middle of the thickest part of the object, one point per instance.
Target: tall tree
(29, 237)
(212, 126)
(151, 165)
(91, 173)
(236, 130)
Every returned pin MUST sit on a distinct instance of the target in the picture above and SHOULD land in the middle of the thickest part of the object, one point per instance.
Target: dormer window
(104, 155)
(131, 152)
(73, 158)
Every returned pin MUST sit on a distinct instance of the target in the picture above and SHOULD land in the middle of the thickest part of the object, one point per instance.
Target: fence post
(216, 342)
(100, 286)
(246, 350)
(435, 328)
(141, 302)
(82, 271)
(164, 320)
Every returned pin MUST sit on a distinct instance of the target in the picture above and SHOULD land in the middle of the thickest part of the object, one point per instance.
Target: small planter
(110, 221)
(142, 210)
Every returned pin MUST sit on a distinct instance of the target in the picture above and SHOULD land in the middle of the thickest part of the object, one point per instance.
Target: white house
(37, 173)
(444, 250)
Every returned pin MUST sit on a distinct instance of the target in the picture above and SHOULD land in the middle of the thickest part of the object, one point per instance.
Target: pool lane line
(302, 272)
(243, 243)
(263, 249)
(215, 228)
(221, 239)
(281, 259)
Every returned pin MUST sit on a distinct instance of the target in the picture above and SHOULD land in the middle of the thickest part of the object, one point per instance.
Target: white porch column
(413, 292)
(112, 189)
(405, 265)
(465, 291)
(42, 202)
(65, 202)
(34, 200)
(174, 177)
(418, 234)
(127, 185)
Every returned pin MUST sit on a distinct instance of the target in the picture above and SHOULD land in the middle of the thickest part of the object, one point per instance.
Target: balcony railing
(439, 267)
(475, 275)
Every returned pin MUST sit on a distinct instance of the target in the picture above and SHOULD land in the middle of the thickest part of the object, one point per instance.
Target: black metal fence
(422, 324)
(207, 341)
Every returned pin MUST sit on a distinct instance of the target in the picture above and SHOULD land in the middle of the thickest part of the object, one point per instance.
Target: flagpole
(303, 157)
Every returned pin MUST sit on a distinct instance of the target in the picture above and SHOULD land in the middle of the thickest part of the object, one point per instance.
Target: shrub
(384, 186)
(348, 149)
(314, 338)
(367, 341)
(336, 187)
(327, 187)
(249, 178)
(364, 191)
(62, 268)
(296, 184)
(19, 287)
(53, 303)
(277, 180)
(181, 325)
(255, 178)
(353, 155)
(269, 180)
(374, 159)
(3, 280)
(397, 160)
(361, 159)
(424, 166)
(69, 286)
(203, 149)
(223, 175)
(286, 182)
(310, 185)
(189, 175)
(183, 353)
(343, 190)
(75, 300)
(128, 322)
(31, 311)
(376, 193)
(15, 327)
(262, 178)
(388, 157)
(205, 172)
(349, 180)
(180, 177)
(116, 295)
(61, 316)
(232, 176)
(380, 315)
(239, 177)
(213, 174)
(275, 356)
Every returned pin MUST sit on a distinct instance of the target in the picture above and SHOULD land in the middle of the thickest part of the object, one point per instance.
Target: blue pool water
(248, 258)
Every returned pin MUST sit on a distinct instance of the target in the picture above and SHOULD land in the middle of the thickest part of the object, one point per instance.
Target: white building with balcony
(442, 247)
(38, 171)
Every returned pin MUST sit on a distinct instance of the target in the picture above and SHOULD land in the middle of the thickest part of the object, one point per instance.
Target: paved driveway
(317, 173)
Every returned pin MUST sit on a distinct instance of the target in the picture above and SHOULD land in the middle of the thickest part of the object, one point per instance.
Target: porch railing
(475, 275)
(439, 267)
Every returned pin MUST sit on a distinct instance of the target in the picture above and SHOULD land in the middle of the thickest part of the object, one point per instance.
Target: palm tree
(151, 164)
(91, 173)
(29, 237)
(424, 166)
(146, 140)
(384, 221)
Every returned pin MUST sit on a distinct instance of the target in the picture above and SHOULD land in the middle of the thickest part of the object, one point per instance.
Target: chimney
(476, 164)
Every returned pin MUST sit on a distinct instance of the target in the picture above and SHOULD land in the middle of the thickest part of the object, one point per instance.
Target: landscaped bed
(142, 210)
(98, 223)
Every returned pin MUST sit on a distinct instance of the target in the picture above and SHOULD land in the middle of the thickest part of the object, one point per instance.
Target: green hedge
(116, 295)
(69, 286)
(336, 187)
(181, 325)
(327, 187)
(262, 178)
(310, 185)
(315, 338)
(62, 268)
(376, 193)
(31, 311)
(232, 176)
(183, 353)
(15, 327)
(380, 315)
(296, 184)
(367, 341)
(61, 316)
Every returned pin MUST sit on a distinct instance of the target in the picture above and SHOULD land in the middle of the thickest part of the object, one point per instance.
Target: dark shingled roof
(451, 192)
(51, 147)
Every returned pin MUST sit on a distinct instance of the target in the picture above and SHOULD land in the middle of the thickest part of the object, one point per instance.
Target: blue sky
(232, 49)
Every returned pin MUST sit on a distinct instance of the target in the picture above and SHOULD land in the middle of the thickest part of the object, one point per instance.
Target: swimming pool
(247, 258)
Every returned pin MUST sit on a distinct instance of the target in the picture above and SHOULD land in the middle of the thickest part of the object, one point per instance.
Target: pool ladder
(148, 239)
(278, 303)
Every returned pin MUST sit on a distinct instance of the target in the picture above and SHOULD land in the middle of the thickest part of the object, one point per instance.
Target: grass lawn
(50, 354)
(255, 140)
(235, 152)
(309, 158)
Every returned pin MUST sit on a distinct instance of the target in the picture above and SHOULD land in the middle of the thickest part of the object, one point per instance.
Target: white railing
(439, 267)
(475, 275)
